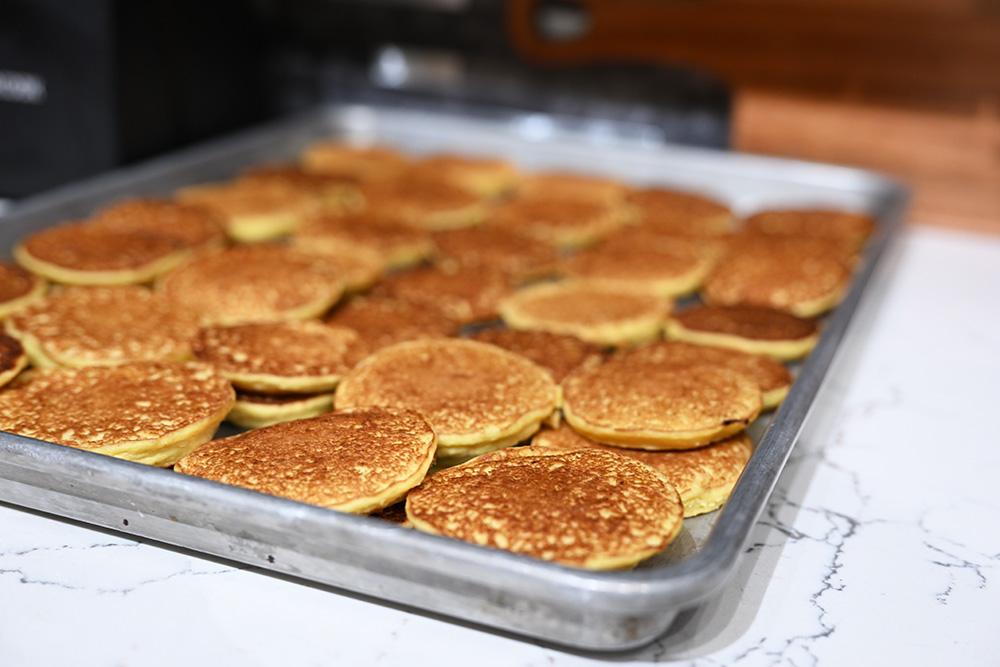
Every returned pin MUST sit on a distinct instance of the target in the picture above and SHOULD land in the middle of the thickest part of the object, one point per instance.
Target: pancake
(151, 413)
(13, 360)
(664, 268)
(565, 185)
(399, 245)
(590, 311)
(358, 163)
(333, 193)
(632, 401)
(771, 376)
(674, 213)
(356, 267)
(253, 284)
(351, 461)
(589, 509)
(383, 321)
(563, 223)
(486, 177)
(18, 288)
(477, 397)
(462, 294)
(279, 357)
(193, 226)
(103, 326)
(254, 212)
(516, 255)
(847, 229)
(749, 329)
(703, 477)
(258, 410)
(804, 277)
(84, 254)
(555, 353)
(425, 204)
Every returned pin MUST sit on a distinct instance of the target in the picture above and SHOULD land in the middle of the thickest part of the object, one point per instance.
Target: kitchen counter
(881, 543)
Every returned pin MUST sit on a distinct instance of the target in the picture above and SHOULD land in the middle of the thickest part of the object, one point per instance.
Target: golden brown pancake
(486, 177)
(563, 223)
(556, 353)
(771, 376)
(750, 329)
(253, 410)
(477, 397)
(632, 401)
(13, 360)
(565, 185)
(516, 255)
(804, 277)
(670, 212)
(848, 229)
(254, 212)
(253, 284)
(383, 321)
(279, 357)
(84, 254)
(193, 226)
(703, 477)
(334, 194)
(360, 163)
(103, 326)
(151, 413)
(586, 508)
(351, 461)
(591, 311)
(399, 245)
(356, 267)
(18, 288)
(462, 294)
(425, 204)
(667, 268)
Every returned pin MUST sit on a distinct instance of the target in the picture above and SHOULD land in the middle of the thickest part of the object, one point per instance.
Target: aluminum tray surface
(586, 610)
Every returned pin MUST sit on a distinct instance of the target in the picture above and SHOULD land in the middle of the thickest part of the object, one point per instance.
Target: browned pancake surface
(462, 387)
(16, 282)
(691, 471)
(84, 247)
(100, 326)
(512, 253)
(636, 260)
(548, 219)
(250, 283)
(845, 227)
(330, 460)
(587, 303)
(577, 508)
(680, 213)
(284, 349)
(11, 353)
(94, 407)
(361, 163)
(191, 225)
(463, 294)
(777, 272)
(557, 353)
(382, 321)
(752, 322)
(767, 373)
(630, 394)
(567, 185)
(360, 229)
(410, 200)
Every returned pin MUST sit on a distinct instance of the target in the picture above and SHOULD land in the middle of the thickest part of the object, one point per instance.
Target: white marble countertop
(881, 544)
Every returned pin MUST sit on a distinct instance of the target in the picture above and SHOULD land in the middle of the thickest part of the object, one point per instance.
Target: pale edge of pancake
(269, 383)
(144, 274)
(782, 350)
(249, 414)
(633, 331)
(36, 293)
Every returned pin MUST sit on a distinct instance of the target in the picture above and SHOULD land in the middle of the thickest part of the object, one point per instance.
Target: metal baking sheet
(587, 610)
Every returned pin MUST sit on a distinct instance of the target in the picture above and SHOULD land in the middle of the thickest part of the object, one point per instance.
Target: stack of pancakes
(393, 330)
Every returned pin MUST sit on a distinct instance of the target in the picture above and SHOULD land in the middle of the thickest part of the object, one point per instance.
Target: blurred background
(908, 87)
